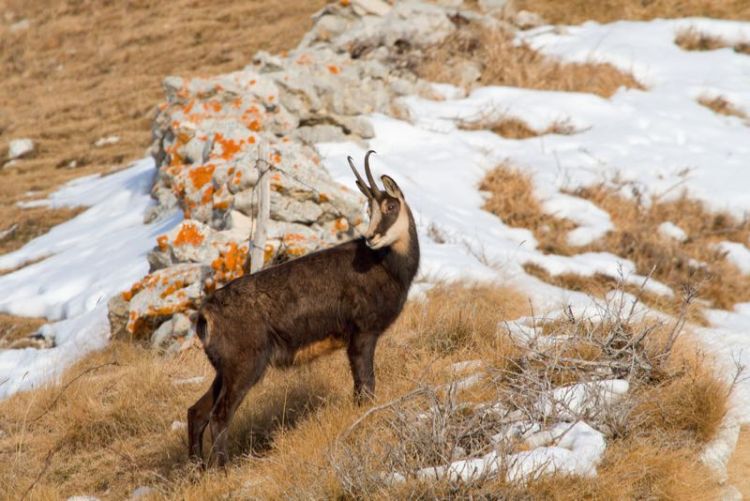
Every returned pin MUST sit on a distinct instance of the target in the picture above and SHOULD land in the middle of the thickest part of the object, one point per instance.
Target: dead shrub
(605, 11)
(504, 63)
(598, 285)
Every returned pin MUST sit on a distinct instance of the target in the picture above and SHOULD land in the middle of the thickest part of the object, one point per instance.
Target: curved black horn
(370, 178)
(360, 182)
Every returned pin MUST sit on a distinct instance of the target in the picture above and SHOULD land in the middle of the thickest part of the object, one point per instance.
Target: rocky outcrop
(212, 135)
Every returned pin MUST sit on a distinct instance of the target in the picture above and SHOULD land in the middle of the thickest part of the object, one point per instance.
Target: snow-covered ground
(659, 139)
(86, 261)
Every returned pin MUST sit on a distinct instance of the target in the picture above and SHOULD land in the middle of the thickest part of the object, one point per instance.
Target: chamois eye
(391, 206)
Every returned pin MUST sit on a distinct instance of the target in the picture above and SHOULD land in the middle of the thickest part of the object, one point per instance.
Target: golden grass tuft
(692, 39)
(515, 128)
(511, 198)
(722, 106)
(605, 11)
(503, 63)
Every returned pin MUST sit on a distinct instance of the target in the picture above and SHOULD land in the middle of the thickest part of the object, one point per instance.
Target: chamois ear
(391, 187)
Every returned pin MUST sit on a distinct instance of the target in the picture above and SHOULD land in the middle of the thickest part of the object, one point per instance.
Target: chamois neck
(402, 258)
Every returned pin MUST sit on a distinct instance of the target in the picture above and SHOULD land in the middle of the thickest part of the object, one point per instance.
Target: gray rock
(527, 20)
(375, 7)
(324, 133)
(118, 317)
(492, 5)
(19, 148)
(730, 493)
(162, 335)
(469, 73)
(142, 491)
(294, 211)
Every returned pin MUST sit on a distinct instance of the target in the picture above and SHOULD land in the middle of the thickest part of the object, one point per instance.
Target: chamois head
(390, 217)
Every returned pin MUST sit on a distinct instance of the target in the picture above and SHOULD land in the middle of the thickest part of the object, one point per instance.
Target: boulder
(19, 148)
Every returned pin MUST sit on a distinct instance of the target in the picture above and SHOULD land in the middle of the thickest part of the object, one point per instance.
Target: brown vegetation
(503, 63)
(721, 106)
(692, 39)
(86, 70)
(739, 464)
(14, 331)
(605, 11)
(511, 197)
(515, 128)
(694, 266)
(108, 427)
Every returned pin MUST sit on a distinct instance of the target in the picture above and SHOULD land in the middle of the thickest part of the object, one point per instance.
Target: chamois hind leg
(198, 416)
(235, 388)
(361, 351)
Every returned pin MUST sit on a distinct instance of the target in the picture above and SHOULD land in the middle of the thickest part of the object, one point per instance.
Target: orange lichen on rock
(201, 175)
(335, 70)
(189, 235)
(254, 126)
(341, 224)
(276, 158)
(229, 147)
(229, 264)
(172, 288)
(162, 242)
(208, 195)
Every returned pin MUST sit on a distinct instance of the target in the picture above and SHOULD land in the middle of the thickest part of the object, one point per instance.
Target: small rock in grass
(83, 498)
(106, 141)
(18, 26)
(19, 148)
(671, 230)
(178, 425)
(376, 7)
(142, 491)
(492, 5)
(527, 20)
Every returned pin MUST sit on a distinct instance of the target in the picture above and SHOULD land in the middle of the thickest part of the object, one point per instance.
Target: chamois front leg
(198, 417)
(361, 353)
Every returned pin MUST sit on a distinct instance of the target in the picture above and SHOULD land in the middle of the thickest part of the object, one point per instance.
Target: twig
(59, 395)
(400, 400)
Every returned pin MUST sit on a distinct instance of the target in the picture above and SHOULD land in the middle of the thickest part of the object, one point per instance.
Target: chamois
(350, 293)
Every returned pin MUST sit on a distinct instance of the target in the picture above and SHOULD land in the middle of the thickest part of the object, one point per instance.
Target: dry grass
(739, 464)
(721, 106)
(31, 223)
(515, 128)
(86, 70)
(503, 63)
(14, 331)
(692, 39)
(106, 430)
(511, 197)
(694, 265)
(605, 11)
